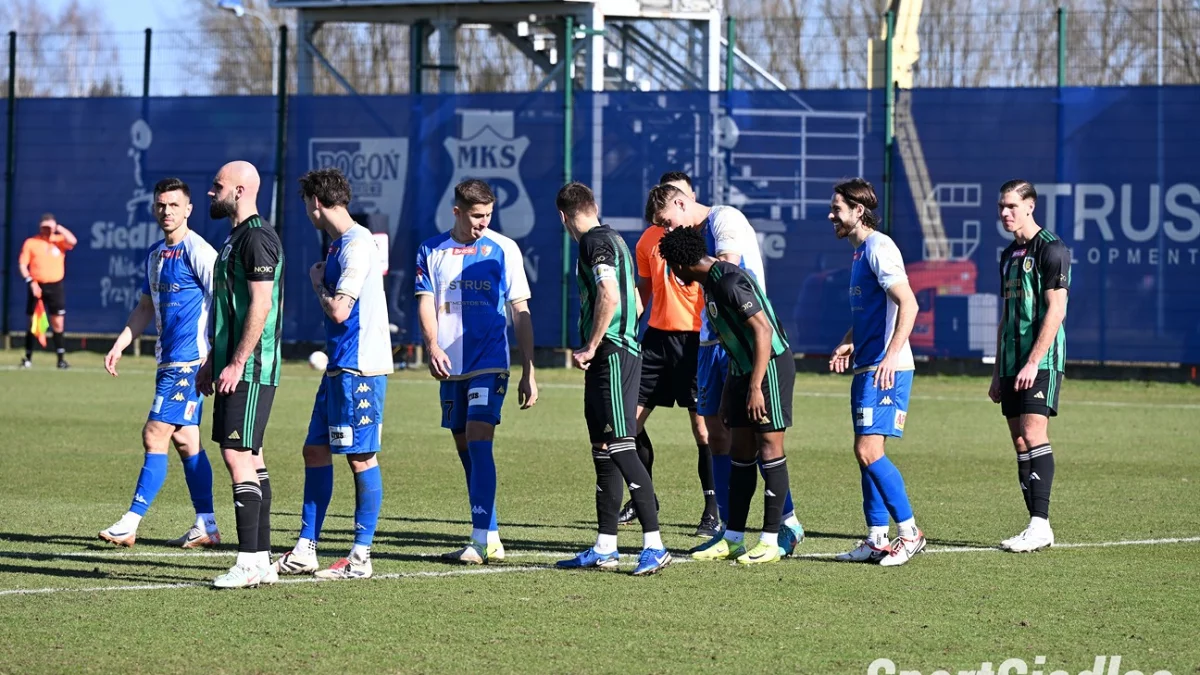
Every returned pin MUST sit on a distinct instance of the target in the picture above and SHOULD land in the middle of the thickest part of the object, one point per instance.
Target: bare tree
(71, 53)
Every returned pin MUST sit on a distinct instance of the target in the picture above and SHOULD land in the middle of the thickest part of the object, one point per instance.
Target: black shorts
(610, 386)
(777, 394)
(54, 297)
(669, 360)
(1040, 399)
(240, 418)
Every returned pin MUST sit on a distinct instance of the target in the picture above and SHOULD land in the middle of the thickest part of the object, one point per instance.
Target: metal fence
(1023, 43)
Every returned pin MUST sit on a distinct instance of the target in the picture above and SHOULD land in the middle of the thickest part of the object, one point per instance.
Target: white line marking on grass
(981, 398)
(507, 570)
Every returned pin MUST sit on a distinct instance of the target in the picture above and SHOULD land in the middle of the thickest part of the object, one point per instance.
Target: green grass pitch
(1124, 580)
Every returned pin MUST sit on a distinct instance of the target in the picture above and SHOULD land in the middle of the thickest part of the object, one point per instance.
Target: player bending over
(728, 237)
(757, 398)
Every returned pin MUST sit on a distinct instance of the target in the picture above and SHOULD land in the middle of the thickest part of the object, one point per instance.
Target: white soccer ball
(318, 361)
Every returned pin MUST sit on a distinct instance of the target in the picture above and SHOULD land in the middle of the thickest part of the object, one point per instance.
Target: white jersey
(363, 342)
(877, 267)
(728, 231)
(471, 285)
(179, 281)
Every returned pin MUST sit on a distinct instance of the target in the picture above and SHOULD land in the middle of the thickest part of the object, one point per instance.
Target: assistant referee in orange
(42, 267)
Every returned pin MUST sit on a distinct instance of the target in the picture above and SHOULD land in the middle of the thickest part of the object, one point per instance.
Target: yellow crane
(905, 49)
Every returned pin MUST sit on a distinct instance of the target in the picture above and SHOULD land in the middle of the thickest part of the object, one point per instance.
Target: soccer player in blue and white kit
(177, 295)
(464, 280)
(347, 416)
(883, 309)
(730, 238)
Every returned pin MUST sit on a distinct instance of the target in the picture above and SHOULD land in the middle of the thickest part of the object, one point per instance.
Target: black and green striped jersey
(252, 252)
(731, 297)
(1027, 271)
(603, 255)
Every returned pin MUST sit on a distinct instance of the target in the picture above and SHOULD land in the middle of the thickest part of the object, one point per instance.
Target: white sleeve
(514, 273)
(732, 233)
(355, 257)
(886, 262)
(204, 261)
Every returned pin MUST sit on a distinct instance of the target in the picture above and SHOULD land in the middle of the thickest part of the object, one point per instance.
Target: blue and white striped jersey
(179, 280)
(471, 285)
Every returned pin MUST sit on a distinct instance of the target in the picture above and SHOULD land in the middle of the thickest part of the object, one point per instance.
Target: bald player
(243, 366)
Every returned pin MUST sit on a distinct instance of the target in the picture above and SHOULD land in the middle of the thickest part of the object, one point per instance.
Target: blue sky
(131, 15)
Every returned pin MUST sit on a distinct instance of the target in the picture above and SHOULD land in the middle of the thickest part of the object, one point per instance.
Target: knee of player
(317, 455)
(1020, 445)
(362, 461)
(868, 449)
(155, 439)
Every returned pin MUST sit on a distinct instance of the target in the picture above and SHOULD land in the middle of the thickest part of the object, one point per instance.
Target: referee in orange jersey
(41, 266)
(669, 356)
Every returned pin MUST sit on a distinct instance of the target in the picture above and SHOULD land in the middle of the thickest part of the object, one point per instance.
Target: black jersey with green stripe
(731, 297)
(252, 252)
(603, 255)
(1027, 271)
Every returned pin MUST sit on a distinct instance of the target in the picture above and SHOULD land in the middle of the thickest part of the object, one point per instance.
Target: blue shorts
(877, 411)
(478, 399)
(710, 379)
(176, 400)
(348, 413)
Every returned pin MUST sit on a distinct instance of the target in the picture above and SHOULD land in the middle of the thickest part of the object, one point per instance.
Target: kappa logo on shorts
(178, 396)
(887, 400)
(364, 420)
(341, 436)
(185, 369)
(182, 383)
(362, 388)
(363, 404)
(477, 396)
(189, 410)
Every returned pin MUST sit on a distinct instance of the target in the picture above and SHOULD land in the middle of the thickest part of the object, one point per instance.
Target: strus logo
(377, 169)
(489, 150)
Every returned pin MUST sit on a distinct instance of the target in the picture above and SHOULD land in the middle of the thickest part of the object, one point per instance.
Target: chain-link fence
(1025, 43)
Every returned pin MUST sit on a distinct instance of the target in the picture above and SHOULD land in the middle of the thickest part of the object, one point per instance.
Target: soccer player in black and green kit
(243, 366)
(612, 363)
(757, 401)
(1035, 273)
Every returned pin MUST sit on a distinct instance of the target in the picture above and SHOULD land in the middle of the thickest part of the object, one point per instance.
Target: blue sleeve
(422, 283)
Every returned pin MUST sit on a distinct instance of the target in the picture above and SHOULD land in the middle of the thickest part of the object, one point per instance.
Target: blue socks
(368, 493)
(150, 481)
(481, 485)
(890, 484)
(873, 509)
(465, 458)
(722, 468)
(318, 491)
(198, 474)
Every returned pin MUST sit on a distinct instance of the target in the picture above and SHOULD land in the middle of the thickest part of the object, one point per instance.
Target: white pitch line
(981, 398)
(530, 568)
